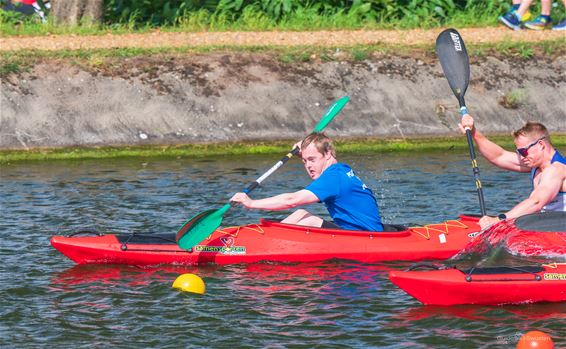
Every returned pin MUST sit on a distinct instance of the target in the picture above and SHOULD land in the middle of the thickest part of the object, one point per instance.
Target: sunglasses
(525, 151)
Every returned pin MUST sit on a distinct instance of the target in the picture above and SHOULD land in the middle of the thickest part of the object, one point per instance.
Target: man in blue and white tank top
(349, 201)
(534, 154)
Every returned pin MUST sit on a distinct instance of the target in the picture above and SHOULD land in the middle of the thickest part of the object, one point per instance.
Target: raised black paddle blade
(455, 63)
(454, 60)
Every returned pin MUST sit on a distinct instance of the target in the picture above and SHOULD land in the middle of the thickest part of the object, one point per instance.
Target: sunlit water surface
(47, 301)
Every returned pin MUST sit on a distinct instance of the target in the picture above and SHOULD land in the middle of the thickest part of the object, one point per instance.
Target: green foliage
(359, 54)
(221, 15)
(290, 14)
(526, 51)
(513, 99)
(11, 22)
(8, 68)
(11, 17)
(152, 12)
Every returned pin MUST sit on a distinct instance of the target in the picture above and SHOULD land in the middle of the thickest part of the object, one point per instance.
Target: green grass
(196, 23)
(370, 145)
(425, 144)
(13, 62)
(13, 67)
(359, 54)
(231, 15)
(200, 22)
(513, 99)
(188, 150)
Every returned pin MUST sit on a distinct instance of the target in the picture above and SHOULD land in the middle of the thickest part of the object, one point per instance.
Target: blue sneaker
(560, 26)
(540, 23)
(511, 20)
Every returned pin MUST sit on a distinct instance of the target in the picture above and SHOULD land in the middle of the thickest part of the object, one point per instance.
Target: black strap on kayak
(519, 270)
(147, 238)
(426, 266)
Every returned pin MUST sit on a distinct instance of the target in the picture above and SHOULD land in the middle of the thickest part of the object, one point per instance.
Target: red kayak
(276, 242)
(538, 235)
(487, 286)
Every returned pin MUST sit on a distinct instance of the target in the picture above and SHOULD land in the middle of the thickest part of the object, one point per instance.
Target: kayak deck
(535, 235)
(273, 241)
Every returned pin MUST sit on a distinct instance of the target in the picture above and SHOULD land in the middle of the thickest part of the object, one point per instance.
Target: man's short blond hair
(321, 141)
(533, 130)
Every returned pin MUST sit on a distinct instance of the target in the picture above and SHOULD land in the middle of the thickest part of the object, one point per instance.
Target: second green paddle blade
(199, 227)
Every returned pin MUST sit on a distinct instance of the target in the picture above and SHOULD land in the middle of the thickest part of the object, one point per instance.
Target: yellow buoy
(189, 283)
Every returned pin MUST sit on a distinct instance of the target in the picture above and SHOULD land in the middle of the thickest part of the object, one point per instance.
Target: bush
(354, 12)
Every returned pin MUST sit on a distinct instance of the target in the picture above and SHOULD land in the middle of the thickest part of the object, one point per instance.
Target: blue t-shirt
(350, 203)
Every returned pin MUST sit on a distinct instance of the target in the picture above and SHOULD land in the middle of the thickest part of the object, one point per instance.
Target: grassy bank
(361, 146)
(107, 60)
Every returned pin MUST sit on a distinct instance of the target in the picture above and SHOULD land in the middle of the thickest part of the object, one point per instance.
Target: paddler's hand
(242, 198)
(467, 122)
(488, 221)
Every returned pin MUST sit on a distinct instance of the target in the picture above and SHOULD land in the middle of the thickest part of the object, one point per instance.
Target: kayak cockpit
(544, 222)
(389, 229)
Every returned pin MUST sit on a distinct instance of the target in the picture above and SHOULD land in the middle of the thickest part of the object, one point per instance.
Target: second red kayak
(273, 241)
(487, 286)
(539, 235)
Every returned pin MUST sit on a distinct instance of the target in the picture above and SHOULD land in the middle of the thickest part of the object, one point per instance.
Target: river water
(45, 300)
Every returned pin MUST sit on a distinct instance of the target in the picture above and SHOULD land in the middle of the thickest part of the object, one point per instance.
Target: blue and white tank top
(559, 201)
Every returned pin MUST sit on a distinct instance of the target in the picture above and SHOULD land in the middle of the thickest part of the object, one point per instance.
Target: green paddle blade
(331, 113)
(199, 227)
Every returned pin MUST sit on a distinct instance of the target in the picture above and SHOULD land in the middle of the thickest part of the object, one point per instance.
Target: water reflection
(45, 300)
(541, 311)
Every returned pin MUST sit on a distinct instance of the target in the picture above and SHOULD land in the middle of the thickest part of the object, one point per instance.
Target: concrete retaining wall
(232, 97)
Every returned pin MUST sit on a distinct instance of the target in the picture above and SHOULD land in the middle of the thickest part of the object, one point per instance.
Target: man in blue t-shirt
(349, 201)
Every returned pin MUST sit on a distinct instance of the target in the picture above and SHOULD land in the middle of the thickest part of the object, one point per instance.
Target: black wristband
(502, 216)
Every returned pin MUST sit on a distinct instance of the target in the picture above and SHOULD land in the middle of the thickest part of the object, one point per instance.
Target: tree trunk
(77, 12)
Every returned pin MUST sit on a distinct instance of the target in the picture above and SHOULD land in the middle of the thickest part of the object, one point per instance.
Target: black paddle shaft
(455, 63)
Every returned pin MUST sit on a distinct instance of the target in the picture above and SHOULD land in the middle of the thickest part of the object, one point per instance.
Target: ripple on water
(47, 301)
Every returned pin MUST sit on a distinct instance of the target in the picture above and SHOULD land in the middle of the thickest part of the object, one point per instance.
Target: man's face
(530, 150)
(314, 161)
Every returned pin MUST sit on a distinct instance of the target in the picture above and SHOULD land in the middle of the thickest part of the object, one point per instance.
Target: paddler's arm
(491, 151)
(550, 184)
(277, 202)
(548, 187)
